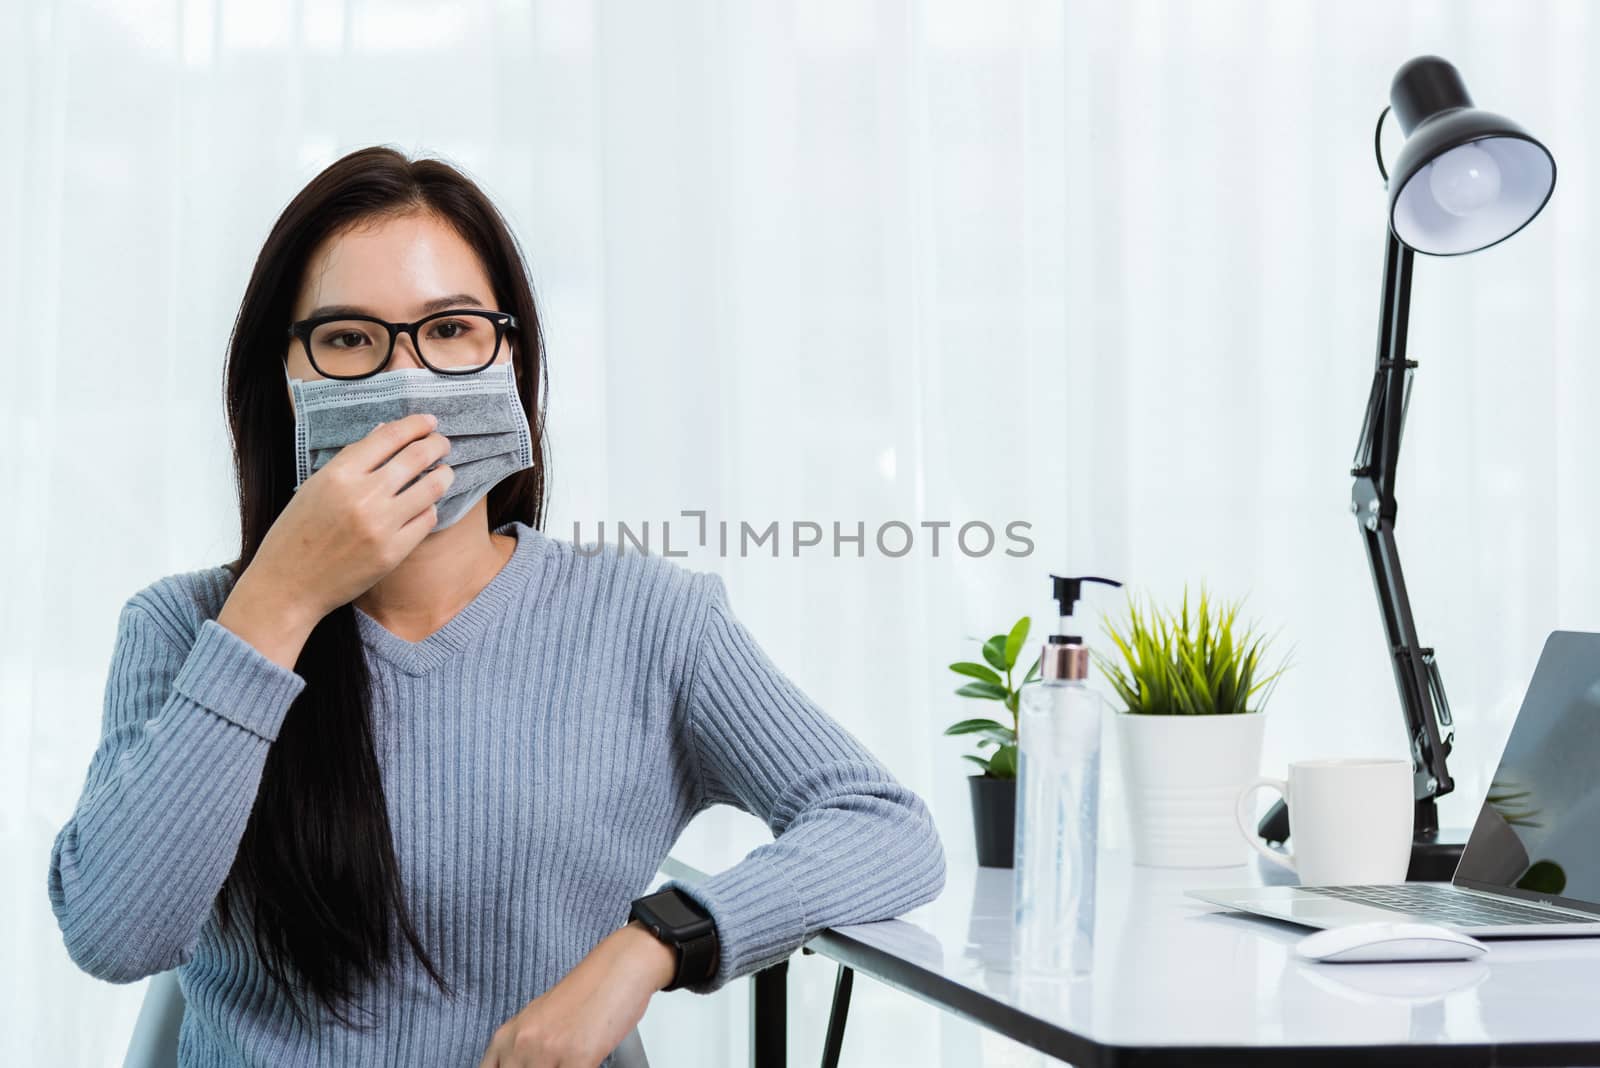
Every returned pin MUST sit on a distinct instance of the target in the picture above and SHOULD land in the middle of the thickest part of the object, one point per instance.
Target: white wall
(1110, 268)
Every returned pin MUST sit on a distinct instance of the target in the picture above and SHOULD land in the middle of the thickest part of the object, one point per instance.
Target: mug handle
(1241, 813)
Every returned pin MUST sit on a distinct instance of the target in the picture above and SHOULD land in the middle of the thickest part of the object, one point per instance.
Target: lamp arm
(1416, 672)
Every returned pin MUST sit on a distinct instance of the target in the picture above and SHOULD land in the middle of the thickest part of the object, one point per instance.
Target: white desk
(1177, 981)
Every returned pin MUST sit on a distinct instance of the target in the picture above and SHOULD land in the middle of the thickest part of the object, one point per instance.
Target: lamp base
(1435, 854)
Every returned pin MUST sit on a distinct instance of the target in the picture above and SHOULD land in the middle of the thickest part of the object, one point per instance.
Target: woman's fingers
(424, 493)
(413, 458)
(383, 441)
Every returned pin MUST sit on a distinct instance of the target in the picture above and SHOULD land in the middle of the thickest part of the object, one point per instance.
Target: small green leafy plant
(1175, 664)
(993, 683)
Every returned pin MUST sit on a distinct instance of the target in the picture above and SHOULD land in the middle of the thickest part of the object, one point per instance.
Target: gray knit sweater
(541, 753)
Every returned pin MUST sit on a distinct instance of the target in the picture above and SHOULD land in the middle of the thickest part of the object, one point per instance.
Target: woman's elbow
(113, 943)
(933, 883)
(926, 849)
(115, 954)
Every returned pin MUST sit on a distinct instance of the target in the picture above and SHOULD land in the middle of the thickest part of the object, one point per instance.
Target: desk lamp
(1465, 179)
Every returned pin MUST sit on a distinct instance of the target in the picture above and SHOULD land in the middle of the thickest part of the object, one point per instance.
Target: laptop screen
(1537, 835)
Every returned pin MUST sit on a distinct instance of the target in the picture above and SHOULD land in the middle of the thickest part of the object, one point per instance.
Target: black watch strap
(681, 922)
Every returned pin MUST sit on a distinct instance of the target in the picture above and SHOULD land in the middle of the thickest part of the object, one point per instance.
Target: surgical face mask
(480, 413)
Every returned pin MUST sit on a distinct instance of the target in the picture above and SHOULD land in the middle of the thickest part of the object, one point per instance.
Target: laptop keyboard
(1447, 905)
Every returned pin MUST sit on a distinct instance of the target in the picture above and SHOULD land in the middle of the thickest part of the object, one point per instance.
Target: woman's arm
(851, 843)
(185, 732)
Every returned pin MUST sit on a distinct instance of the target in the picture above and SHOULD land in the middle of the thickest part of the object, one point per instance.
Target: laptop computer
(1531, 866)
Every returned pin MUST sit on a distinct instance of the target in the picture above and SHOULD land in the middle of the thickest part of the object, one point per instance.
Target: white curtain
(1110, 269)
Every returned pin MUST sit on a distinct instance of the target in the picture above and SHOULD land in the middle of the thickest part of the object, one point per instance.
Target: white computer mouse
(1365, 942)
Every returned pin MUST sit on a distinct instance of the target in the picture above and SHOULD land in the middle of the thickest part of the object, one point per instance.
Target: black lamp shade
(1466, 179)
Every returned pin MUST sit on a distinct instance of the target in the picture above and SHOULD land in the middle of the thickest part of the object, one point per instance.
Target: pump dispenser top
(1064, 655)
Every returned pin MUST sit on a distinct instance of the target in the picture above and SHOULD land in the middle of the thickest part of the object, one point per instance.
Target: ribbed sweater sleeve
(851, 844)
(185, 733)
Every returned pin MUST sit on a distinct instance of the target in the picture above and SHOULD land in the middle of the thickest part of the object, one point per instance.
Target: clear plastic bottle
(1058, 807)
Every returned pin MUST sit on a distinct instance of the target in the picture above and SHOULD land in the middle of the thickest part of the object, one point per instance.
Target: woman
(385, 788)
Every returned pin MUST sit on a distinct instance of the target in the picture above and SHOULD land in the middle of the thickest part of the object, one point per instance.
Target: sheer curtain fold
(1109, 269)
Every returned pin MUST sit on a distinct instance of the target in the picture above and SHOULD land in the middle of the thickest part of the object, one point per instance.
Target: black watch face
(669, 912)
(673, 913)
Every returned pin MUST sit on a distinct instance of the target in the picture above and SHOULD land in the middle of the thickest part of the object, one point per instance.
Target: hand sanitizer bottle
(1058, 804)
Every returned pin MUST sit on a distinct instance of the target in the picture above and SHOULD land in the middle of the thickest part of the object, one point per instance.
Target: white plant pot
(1181, 777)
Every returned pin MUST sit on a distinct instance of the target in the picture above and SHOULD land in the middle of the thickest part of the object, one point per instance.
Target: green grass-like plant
(1175, 664)
(1510, 799)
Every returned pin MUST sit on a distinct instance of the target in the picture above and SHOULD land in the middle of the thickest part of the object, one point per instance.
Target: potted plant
(994, 792)
(1190, 729)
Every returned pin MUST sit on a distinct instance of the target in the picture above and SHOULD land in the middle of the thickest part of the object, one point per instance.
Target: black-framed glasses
(457, 342)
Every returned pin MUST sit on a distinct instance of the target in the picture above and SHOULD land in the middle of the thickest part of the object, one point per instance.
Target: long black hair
(316, 872)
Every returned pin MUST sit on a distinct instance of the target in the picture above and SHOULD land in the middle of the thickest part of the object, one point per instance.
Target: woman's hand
(580, 1020)
(349, 524)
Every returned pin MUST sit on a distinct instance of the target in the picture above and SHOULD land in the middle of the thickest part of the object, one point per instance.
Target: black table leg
(836, 1017)
(769, 1016)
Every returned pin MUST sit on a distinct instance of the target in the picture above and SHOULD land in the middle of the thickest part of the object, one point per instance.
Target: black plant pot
(994, 819)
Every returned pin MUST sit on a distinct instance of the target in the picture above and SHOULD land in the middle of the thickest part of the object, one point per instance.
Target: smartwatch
(680, 921)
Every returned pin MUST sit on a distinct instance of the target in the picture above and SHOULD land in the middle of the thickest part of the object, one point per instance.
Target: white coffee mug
(1350, 821)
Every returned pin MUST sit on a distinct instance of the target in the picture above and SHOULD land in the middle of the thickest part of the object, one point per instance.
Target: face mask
(480, 414)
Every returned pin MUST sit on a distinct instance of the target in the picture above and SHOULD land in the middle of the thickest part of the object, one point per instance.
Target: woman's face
(399, 268)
